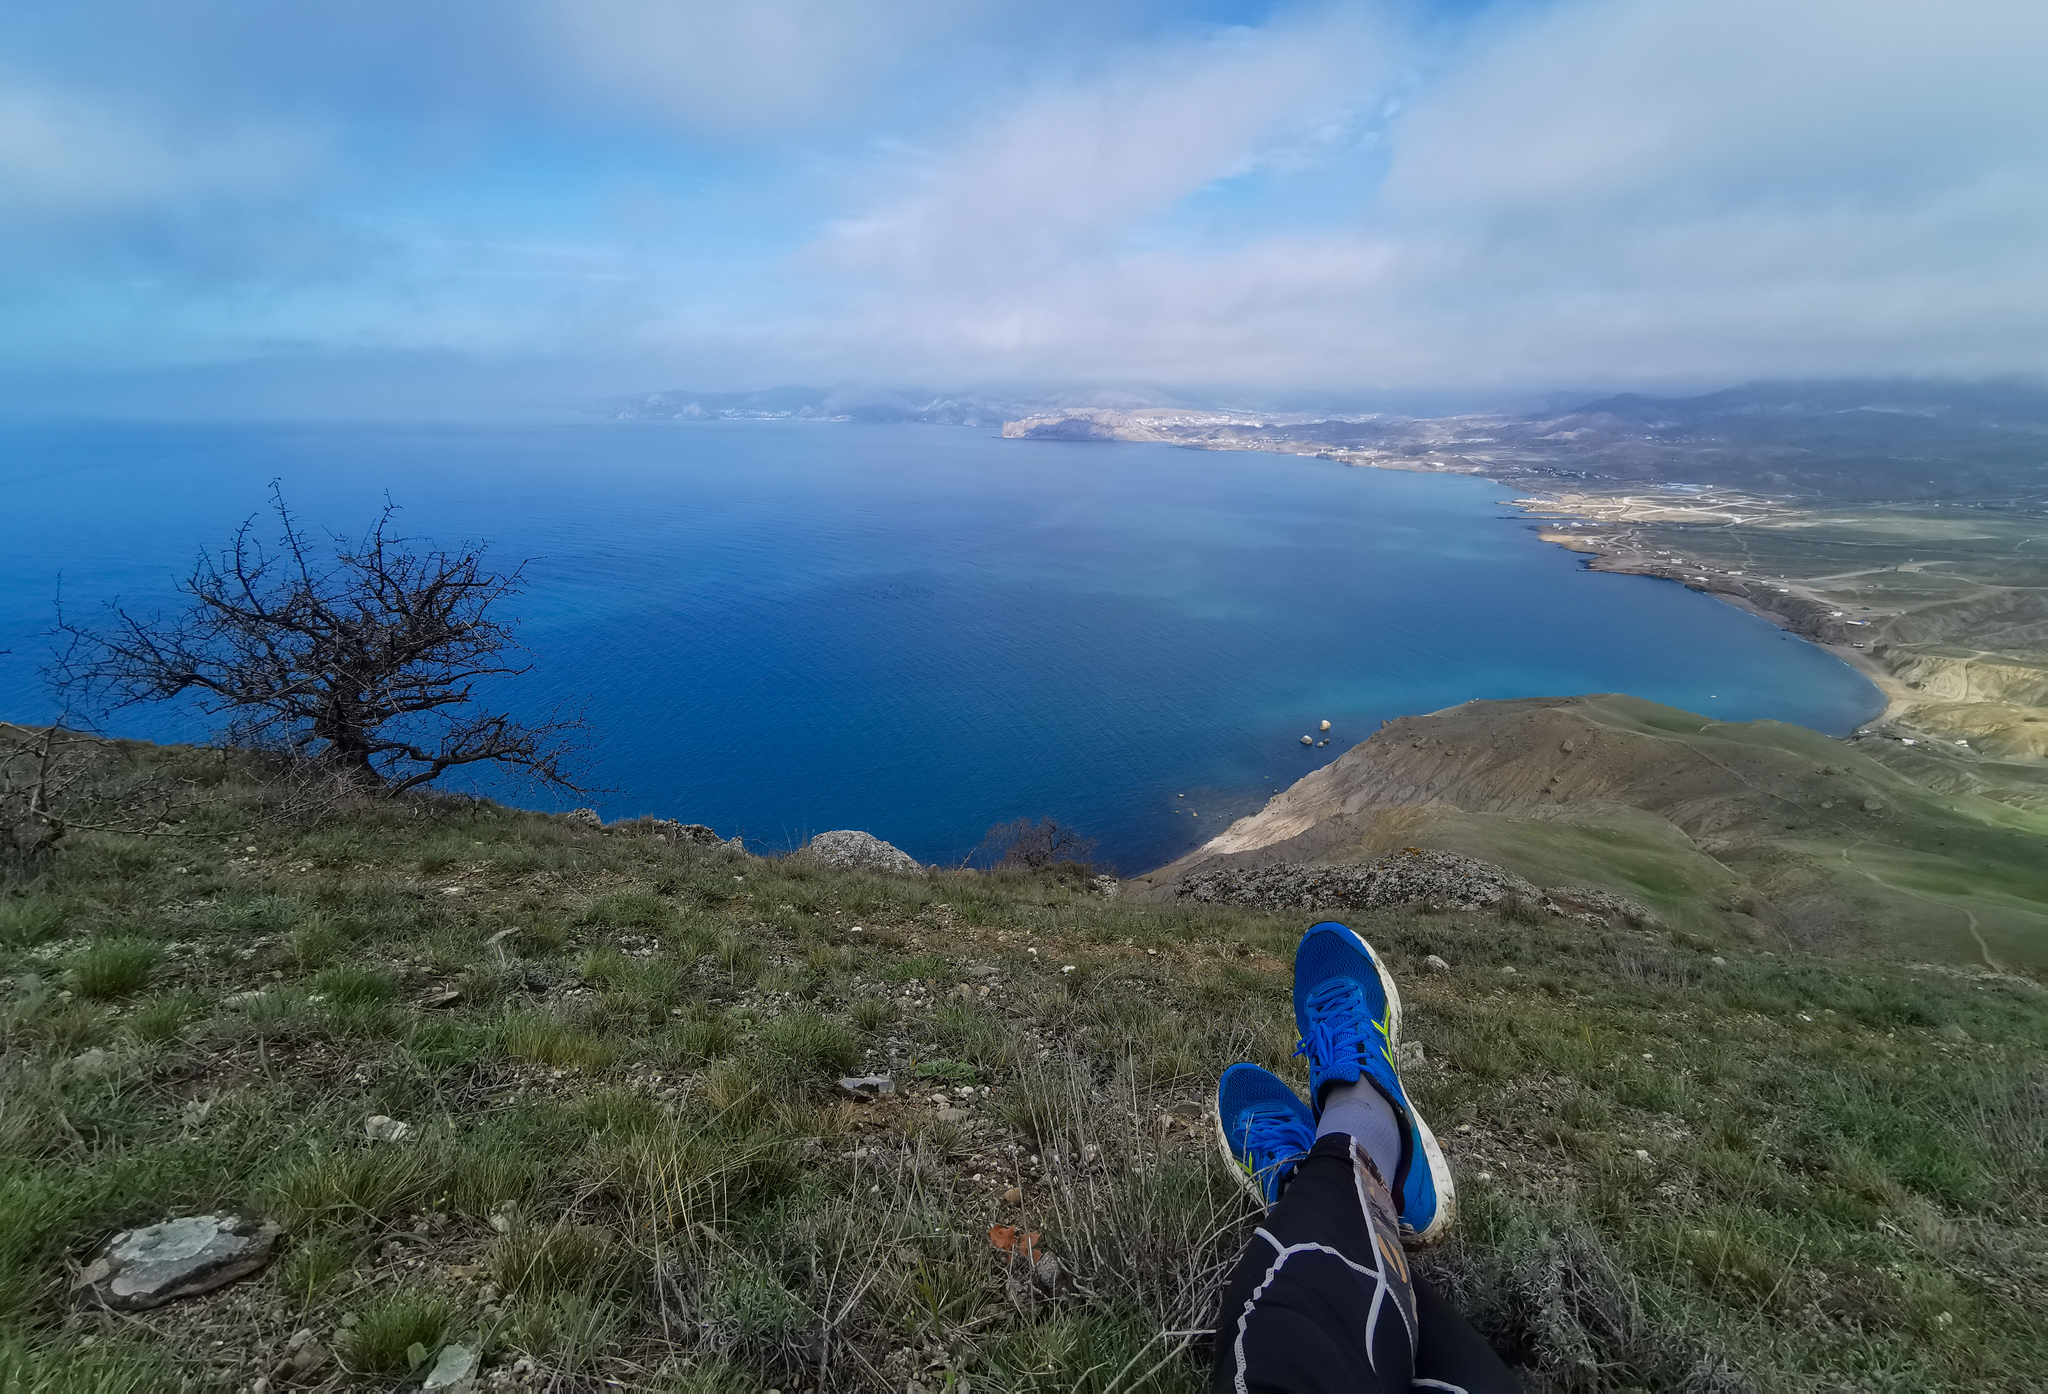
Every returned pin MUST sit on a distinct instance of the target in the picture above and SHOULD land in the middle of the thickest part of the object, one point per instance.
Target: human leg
(1321, 1302)
(1322, 1299)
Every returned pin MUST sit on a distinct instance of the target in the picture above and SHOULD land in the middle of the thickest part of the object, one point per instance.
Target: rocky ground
(1434, 880)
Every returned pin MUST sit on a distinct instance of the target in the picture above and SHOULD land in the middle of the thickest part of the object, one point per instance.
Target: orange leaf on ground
(1006, 1238)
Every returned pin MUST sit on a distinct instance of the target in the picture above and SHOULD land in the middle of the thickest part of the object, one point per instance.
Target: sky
(399, 205)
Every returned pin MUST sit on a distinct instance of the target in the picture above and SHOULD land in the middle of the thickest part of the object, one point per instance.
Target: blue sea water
(782, 628)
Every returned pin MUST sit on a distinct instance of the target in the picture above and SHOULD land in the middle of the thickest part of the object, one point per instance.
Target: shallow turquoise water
(920, 630)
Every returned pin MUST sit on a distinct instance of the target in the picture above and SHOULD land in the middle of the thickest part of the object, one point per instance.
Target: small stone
(457, 1363)
(1718, 961)
(446, 997)
(1308, 740)
(1409, 1055)
(1090, 1153)
(307, 1356)
(455, 890)
(1509, 970)
(379, 1128)
(1013, 1196)
(952, 1115)
(1873, 806)
(868, 1086)
(1325, 726)
(1436, 965)
(1046, 1272)
(1642, 1154)
(92, 1062)
(143, 1268)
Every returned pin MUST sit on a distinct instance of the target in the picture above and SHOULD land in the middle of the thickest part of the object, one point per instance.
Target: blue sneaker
(1264, 1127)
(1349, 1014)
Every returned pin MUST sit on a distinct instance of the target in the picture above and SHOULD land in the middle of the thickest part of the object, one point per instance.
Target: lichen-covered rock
(142, 1268)
(692, 834)
(848, 850)
(584, 818)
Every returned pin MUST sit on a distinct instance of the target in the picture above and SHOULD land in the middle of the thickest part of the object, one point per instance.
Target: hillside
(564, 1098)
(1760, 828)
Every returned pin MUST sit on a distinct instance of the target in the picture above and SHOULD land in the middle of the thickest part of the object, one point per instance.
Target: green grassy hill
(1759, 829)
(1689, 1159)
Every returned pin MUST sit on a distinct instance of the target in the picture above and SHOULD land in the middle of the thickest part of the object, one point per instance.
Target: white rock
(1326, 726)
(379, 1128)
(1308, 740)
(455, 1366)
(1436, 965)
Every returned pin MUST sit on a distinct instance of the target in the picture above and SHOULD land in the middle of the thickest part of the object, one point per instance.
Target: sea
(779, 627)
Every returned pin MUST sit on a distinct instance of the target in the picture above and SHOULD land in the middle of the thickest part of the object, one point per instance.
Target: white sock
(1362, 1111)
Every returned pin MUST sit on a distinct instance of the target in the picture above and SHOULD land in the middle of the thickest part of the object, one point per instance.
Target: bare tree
(1034, 846)
(368, 661)
(55, 780)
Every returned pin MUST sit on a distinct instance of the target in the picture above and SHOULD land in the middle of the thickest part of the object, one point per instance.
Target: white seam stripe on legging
(1286, 1252)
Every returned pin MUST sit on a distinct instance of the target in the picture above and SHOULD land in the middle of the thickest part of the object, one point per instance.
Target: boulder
(584, 818)
(139, 1269)
(848, 850)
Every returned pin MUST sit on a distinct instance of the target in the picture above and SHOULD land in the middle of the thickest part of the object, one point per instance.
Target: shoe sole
(1440, 1177)
(1237, 1169)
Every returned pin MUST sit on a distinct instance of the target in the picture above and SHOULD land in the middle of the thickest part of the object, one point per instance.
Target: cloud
(1335, 195)
(763, 66)
(66, 157)
(1597, 191)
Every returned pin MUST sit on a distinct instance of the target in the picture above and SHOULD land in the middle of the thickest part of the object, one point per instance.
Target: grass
(113, 968)
(396, 1331)
(630, 1163)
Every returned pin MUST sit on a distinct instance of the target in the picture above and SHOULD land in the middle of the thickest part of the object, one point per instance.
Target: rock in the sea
(1308, 740)
(848, 850)
(142, 1268)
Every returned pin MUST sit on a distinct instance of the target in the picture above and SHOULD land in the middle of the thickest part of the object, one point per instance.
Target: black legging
(1322, 1301)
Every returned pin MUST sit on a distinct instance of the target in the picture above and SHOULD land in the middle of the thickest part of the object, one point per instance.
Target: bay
(784, 627)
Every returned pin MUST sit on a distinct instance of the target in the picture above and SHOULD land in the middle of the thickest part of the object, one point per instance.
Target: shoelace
(1274, 1134)
(1339, 1025)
